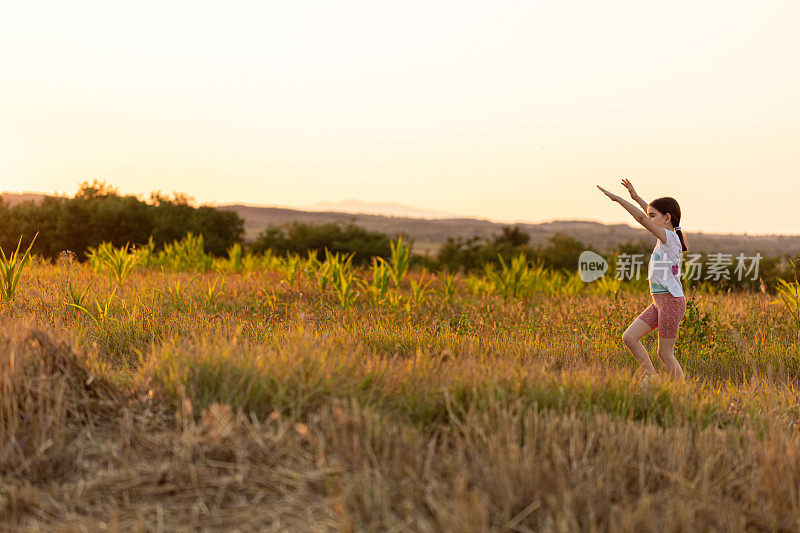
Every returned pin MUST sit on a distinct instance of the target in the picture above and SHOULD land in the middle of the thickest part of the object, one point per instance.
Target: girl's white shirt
(664, 270)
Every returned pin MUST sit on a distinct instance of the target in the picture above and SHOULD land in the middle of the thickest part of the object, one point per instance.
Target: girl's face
(659, 218)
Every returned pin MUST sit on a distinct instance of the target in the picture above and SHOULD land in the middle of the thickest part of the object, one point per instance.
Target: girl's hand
(628, 185)
(613, 196)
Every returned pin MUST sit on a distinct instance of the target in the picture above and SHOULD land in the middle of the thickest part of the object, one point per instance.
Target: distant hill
(11, 198)
(429, 233)
(378, 208)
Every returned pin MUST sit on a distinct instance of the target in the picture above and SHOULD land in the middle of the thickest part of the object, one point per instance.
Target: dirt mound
(51, 401)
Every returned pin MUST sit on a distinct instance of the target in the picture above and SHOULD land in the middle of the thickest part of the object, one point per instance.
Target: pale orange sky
(503, 110)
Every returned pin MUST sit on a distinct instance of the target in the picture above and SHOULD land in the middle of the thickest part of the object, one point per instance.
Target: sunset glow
(501, 110)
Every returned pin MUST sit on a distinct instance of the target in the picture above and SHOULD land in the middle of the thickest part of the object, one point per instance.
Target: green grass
(439, 399)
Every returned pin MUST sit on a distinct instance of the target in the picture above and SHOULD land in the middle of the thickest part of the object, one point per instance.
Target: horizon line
(454, 217)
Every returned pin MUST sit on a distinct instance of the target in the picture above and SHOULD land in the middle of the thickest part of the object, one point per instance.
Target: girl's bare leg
(637, 330)
(666, 351)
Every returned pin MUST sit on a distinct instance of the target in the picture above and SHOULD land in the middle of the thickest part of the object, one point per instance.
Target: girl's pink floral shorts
(665, 313)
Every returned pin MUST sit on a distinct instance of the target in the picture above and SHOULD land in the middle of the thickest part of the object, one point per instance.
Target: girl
(662, 217)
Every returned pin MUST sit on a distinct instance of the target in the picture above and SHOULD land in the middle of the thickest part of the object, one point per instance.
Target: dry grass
(76, 456)
(179, 412)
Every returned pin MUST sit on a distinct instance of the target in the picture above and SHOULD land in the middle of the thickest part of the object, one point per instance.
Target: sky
(511, 111)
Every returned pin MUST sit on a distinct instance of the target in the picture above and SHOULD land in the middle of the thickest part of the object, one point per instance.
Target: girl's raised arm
(640, 216)
(634, 195)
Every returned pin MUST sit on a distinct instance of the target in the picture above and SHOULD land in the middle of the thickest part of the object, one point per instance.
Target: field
(145, 391)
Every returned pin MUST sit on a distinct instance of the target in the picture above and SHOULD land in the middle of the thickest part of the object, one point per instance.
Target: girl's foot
(645, 381)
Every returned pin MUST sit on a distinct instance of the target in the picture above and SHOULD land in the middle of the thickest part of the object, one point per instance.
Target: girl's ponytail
(670, 205)
(684, 248)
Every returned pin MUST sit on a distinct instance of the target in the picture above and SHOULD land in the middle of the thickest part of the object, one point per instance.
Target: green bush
(300, 238)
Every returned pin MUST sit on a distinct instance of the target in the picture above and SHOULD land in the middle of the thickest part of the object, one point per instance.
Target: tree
(562, 252)
(97, 213)
(298, 237)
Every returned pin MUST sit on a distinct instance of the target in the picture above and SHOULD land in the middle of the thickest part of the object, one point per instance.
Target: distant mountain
(11, 198)
(388, 209)
(429, 234)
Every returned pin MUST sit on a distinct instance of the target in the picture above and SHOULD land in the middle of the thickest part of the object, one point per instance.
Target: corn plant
(117, 262)
(11, 268)
(96, 256)
(312, 261)
(447, 289)
(235, 262)
(292, 265)
(400, 259)
(101, 312)
(419, 291)
(571, 286)
(323, 276)
(393, 299)
(479, 285)
(176, 294)
(378, 288)
(250, 262)
(238, 261)
(268, 299)
(76, 296)
(93, 258)
(342, 278)
(188, 254)
(325, 271)
(789, 295)
(540, 279)
(705, 287)
(266, 261)
(345, 288)
(145, 253)
(211, 293)
(512, 278)
(104, 311)
(606, 285)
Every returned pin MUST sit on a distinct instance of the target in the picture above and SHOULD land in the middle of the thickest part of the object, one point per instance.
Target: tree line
(98, 213)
